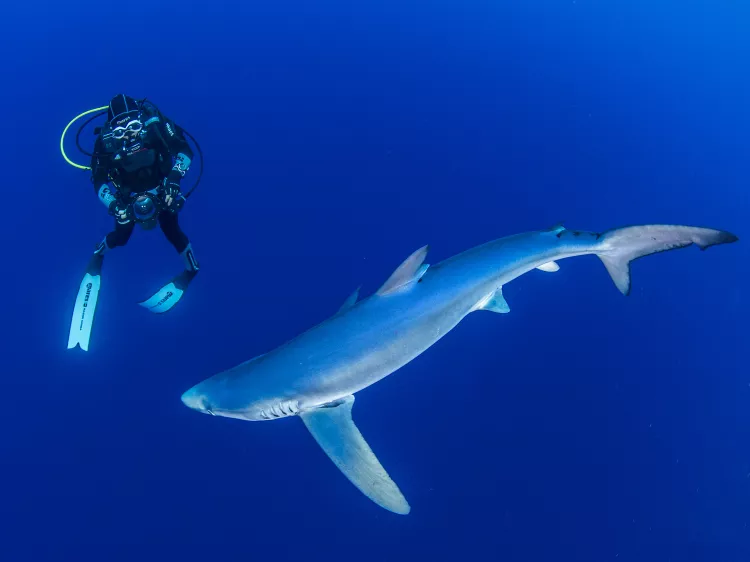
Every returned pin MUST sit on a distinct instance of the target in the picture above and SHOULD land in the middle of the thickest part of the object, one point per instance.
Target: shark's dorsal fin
(550, 267)
(333, 428)
(350, 301)
(556, 228)
(410, 270)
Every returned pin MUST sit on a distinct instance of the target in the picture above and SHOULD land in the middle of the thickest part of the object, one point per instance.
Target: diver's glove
(171, 193)
(121, 211)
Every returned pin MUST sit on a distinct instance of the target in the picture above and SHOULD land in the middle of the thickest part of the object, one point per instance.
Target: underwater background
(338, 138)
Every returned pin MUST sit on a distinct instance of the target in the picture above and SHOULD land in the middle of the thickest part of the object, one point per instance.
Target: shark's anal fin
(334, 430)
(412, 269)
(549, 267)
(494, 302)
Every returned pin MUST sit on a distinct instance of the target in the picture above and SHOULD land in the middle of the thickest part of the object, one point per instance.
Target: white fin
(334, 430)
(164, 299)
(350, 301)
(549, 267)
(83, 312)
(412, 269)
(494, 302)
(171, 293)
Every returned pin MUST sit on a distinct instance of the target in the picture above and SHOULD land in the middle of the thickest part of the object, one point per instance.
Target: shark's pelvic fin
(350, 301)
(494, 302)
(411, 270)
(621, 246)
(334, 430)
(550, 267)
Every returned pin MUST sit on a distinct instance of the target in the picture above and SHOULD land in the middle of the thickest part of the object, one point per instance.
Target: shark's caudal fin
(334, 430)
(621, 246)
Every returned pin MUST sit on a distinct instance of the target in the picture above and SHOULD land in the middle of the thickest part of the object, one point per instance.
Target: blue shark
(315, 375)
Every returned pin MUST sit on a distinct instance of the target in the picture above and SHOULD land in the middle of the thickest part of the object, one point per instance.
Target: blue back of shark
(316, 374)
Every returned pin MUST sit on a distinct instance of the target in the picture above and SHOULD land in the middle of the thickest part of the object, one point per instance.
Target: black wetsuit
(158, 158)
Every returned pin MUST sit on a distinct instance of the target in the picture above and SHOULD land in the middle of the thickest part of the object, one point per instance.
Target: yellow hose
(62, 138)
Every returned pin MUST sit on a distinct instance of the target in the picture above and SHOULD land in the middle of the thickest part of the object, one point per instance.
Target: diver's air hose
(65, 130)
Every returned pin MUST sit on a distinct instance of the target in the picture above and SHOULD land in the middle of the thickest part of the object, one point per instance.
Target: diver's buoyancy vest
(142, 169)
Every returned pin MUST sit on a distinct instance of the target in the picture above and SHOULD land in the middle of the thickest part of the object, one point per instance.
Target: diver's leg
(171, 229)
(88, 290)
(118, 237)
(171, 293)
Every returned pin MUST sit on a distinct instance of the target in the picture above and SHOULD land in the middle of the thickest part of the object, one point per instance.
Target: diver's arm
(172, 136)
(180, 150)
(100, 175)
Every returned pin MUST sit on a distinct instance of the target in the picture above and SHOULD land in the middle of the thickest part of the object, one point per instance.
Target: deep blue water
(338, 138)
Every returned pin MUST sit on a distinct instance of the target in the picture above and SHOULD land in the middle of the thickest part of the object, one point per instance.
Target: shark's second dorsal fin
(350, 301)
(409, 271)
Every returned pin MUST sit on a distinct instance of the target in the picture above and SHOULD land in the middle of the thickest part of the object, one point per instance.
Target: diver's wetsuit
(169, 226)
(145, 164)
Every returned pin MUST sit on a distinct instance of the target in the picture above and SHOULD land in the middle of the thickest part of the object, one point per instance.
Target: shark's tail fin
(621, 246)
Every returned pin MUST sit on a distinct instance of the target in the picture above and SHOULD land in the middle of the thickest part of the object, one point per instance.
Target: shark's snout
(195, 400)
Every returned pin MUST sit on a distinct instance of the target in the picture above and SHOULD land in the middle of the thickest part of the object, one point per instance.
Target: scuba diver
(139, 160)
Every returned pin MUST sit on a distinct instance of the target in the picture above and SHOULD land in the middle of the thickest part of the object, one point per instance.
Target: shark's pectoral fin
(494, 302)
(334, 430)
(549, 267)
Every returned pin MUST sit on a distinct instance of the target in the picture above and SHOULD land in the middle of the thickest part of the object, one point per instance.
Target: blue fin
(494, 302)
(350, 301)
(334, 430)
(410, 270)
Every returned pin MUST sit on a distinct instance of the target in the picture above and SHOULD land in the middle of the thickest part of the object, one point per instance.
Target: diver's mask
(131, 127)
(124, 134)
(145, 211)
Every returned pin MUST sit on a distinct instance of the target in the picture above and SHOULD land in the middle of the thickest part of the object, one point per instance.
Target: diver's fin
(410, 270)
(494, 302)
(85, 307)
(334, 430)
(549, 267)
(170, 294)
(350, 301)
(621, 246)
